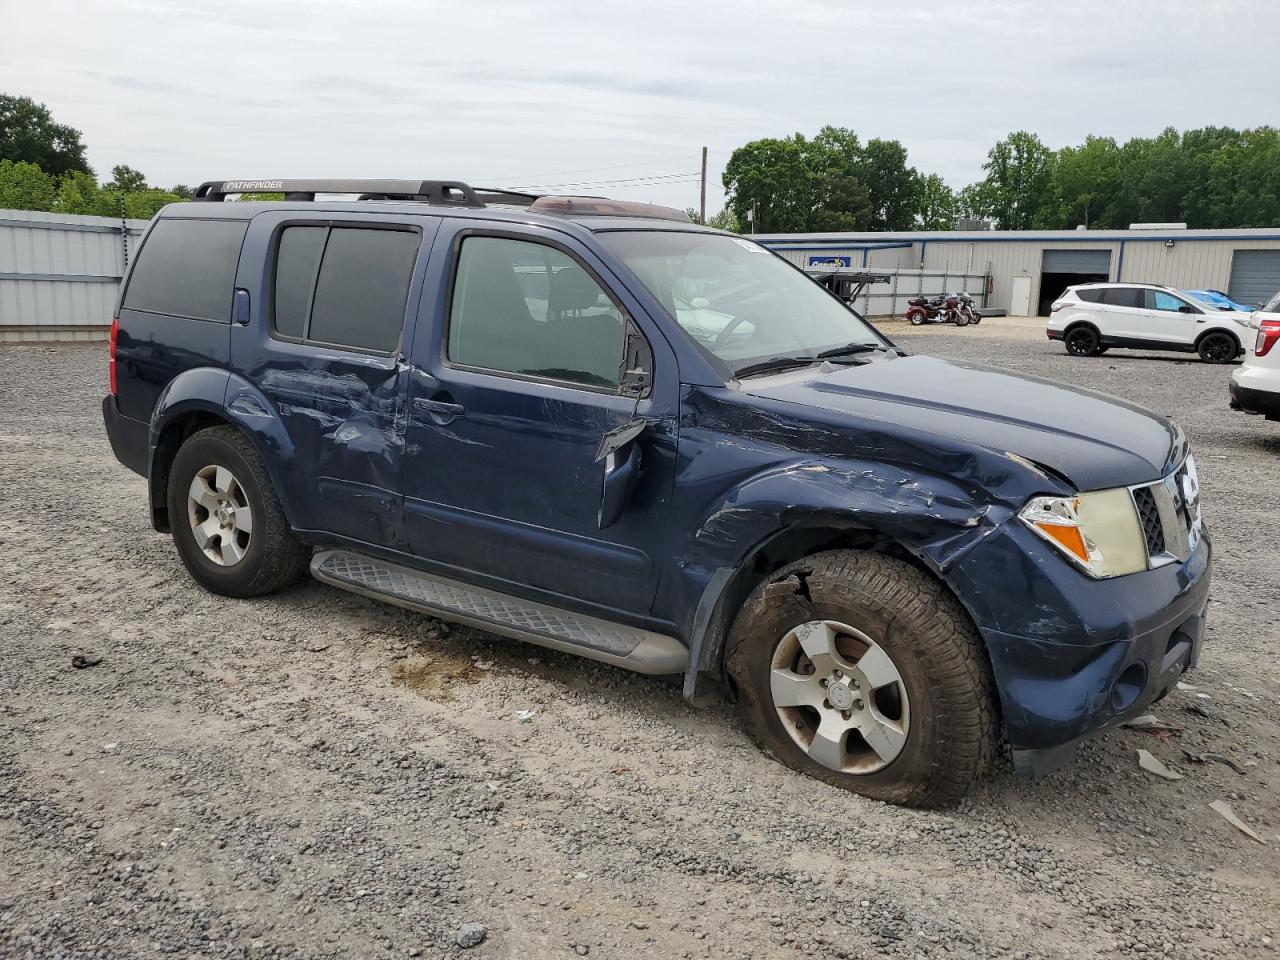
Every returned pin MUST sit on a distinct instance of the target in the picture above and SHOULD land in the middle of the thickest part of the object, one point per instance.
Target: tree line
(1212, 177)
(43, 167)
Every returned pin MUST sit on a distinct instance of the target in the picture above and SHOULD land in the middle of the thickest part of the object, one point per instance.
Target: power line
(619, 166)
(628, 181)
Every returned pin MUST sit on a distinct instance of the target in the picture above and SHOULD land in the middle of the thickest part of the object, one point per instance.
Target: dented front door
(507, 474)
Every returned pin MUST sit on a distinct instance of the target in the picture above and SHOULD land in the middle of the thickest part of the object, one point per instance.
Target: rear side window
(1122, 296)
(187, 268)
(345, 286)
(1090, 296)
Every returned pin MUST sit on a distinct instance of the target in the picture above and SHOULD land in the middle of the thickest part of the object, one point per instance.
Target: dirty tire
(954, 729)
(274, 559)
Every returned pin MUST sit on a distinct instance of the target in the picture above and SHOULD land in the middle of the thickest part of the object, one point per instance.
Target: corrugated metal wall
(1190, 263)
(59, 273)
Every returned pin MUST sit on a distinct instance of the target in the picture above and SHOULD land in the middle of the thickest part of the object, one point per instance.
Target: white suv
(1255, 386)
(1093, 317)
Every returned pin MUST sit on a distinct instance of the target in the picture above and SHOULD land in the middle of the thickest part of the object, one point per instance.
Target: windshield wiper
(851, 348)
(774, 363)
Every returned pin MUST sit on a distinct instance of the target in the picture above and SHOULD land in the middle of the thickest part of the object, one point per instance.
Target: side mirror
(1187, 308)
(635, 376)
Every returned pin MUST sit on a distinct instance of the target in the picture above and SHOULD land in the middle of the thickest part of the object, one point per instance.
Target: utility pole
(702, 204)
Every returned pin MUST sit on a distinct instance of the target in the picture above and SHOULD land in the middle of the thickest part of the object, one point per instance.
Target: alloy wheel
(840, 697)
(1082, 342)
(218, 510)
(1217, 348)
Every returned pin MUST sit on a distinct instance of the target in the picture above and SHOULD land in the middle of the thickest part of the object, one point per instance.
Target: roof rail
(451, 193)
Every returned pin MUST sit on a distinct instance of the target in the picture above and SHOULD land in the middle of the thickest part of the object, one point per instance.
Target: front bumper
(1071, 655)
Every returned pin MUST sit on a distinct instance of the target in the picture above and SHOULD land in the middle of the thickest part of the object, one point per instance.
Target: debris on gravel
(471, 935)
(314, 775)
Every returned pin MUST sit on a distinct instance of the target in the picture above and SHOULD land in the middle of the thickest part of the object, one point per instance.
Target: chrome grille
(1169, 511)
(1149, 517)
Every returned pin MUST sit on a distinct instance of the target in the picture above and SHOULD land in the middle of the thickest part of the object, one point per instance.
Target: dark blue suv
(600, 428)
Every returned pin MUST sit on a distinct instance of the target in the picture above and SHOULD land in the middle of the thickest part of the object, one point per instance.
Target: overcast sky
(568, 94)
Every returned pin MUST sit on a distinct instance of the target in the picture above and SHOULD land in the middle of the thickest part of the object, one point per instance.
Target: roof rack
(450, 193)
(453, 193)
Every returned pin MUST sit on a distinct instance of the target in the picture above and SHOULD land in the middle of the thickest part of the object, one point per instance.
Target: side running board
(629, 647)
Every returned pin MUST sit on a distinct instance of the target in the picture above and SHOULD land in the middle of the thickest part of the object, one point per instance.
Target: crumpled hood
(1095, 440)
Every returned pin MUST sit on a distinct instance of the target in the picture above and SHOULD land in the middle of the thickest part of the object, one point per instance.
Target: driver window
(527, 308)
(1158, 300)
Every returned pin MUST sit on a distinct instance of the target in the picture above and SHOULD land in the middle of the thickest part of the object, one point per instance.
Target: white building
(1024, 271)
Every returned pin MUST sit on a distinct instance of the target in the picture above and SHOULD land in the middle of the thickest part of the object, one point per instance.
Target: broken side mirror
(635, 376)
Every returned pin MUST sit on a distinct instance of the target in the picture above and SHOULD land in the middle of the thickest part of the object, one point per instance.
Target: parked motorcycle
(963, 310)
(957, 308)
(922, 310)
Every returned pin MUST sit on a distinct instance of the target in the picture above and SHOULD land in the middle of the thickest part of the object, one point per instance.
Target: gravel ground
(318, 775)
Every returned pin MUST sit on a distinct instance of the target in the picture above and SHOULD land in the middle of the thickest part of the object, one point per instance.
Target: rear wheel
(961, 319)
(1217, 348)
(227, 522)
(868, 676)
(916, 319)
(1083, 342)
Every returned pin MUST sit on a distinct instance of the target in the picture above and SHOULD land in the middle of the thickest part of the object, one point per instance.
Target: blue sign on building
(818, 260)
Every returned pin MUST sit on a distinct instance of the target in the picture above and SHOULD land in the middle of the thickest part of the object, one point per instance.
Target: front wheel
(1217, 348)
(867, 675)
(227, 523)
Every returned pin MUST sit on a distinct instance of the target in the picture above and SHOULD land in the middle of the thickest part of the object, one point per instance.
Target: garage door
(1255, 276)
(1077, 261)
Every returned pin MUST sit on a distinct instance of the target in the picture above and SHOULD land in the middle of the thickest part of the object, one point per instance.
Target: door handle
(439, 411)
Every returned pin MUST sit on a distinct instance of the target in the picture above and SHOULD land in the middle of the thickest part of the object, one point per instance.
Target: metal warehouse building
(59, 274)
(1023, 272)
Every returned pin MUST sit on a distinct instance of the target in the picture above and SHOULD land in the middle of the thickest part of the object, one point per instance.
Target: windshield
(736, 299)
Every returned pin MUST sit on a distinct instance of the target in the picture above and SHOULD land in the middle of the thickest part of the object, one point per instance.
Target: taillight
(1268, 334)
(111, 354)
(1057, 305)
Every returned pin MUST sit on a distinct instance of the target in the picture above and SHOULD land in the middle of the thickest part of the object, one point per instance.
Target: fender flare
(228, 397)
(935, 519)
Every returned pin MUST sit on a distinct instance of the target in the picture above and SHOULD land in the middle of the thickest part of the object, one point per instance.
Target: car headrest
(573, 289)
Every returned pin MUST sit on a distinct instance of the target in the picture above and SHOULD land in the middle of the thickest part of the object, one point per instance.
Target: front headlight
(1099, 531)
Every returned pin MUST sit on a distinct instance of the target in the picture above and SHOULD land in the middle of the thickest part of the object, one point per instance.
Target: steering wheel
(728, 328)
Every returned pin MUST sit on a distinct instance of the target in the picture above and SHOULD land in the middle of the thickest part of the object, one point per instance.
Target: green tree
(892, 185)
(1083, 186)
(839, 195)
(725, 220)
(773, 179)
(126, 180)
(832, 182)
(1018, 183)
(937, 205)
(29, 134)
(24, 186)
(77, 194)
